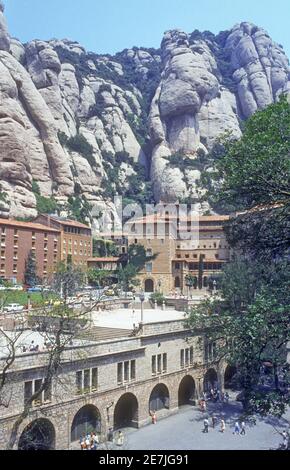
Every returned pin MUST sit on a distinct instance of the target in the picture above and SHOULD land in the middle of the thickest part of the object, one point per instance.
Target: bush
(157, 297)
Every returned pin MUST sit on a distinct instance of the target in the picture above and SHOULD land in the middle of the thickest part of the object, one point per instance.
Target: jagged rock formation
(85, 126)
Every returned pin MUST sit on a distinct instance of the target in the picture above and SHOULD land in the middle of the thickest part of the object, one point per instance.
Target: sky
(109, 26)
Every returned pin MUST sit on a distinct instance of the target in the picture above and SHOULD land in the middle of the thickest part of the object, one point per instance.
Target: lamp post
(142, 298)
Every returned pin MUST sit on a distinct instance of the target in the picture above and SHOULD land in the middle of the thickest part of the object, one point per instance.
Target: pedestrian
(285, 440)
(153, 416)
(237, 428)
(214, 421)
(243, 428)
(110, 435)
(227, 397)
(88, 442)
(223, 426)
(206, 425)
(96, 441)
(120, 439)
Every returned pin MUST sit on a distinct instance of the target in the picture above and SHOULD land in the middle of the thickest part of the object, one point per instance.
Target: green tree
(30, 274)
(252, 175)
(98, 277)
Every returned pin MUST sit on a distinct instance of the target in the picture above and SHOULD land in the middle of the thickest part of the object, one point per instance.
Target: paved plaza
(183, 431)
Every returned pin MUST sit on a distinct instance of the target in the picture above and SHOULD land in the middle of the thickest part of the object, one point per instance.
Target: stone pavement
(183, 431)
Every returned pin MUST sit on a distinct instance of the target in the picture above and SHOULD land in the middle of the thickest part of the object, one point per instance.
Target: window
(34, 386)
(210, 351)
(133, 370)
(164, 362)
(86, 380)
(126, 371)
(186, 357)
(182, 358)
(120, 373)
(153, 365)
(177, 265)
(159, 363)
(149, 252)
(148, 267)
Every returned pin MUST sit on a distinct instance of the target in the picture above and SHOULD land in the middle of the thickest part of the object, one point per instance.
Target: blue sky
(109, 26)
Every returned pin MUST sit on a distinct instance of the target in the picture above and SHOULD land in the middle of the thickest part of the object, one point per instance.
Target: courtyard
(184, 431)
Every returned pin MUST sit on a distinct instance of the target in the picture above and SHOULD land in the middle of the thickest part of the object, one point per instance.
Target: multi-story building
(75, 239)
(111, 382)
(18, 239)
(177, 246)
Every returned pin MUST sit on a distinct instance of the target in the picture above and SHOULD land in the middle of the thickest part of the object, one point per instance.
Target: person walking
(153, 416)
(214, 421)
(237, 428)
(120, 439)
(243, 428)
(285, 440)
(223, 426)
(206, 425)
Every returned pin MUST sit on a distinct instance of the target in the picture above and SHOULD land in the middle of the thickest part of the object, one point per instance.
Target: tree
(30, 274)
(249, 322)
(58, 324)
(98, 277)
(252, 175)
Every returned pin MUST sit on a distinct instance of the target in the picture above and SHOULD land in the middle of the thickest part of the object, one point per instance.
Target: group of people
(89, 441)
(238, 429)
(35, 347)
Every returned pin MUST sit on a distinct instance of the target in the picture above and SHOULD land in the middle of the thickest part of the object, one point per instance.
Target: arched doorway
(186, 391)
(210, 380)
(126, 412)
(177, 282)
(86, 420)
(229, 377)
(159, 398)
(149, 285)
(38, 435)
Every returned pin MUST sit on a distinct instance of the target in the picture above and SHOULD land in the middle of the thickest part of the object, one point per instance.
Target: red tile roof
(27, 225)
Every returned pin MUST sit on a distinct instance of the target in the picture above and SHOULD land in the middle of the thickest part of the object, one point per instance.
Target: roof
(189, 218)
(196, 260)
(27, 225)
(108, 259)
(62, 221)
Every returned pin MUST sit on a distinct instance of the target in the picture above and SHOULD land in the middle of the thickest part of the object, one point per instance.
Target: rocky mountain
(76, 127)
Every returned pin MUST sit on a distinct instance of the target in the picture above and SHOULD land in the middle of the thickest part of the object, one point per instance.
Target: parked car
(35, 289)
(13, 308)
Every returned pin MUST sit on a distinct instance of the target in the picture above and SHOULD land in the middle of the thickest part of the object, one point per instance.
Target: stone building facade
(110, 384)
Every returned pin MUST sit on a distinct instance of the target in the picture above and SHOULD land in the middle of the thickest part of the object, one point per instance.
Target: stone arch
(149, 285)
(126, 411)
(186, 391)
(229, 375)
(38, 435)
(159, 398)
(86, 420)
(210, 380)
(177, 283)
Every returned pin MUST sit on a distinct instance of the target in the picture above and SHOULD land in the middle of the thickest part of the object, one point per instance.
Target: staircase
(98, 333)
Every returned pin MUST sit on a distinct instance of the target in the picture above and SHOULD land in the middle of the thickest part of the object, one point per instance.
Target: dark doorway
(149, 285)
(210, 380)
(38, 435)
(87, 420)
(177, 283)
(186, 391)
(230, 379)
(126, 412)
(159, 398)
